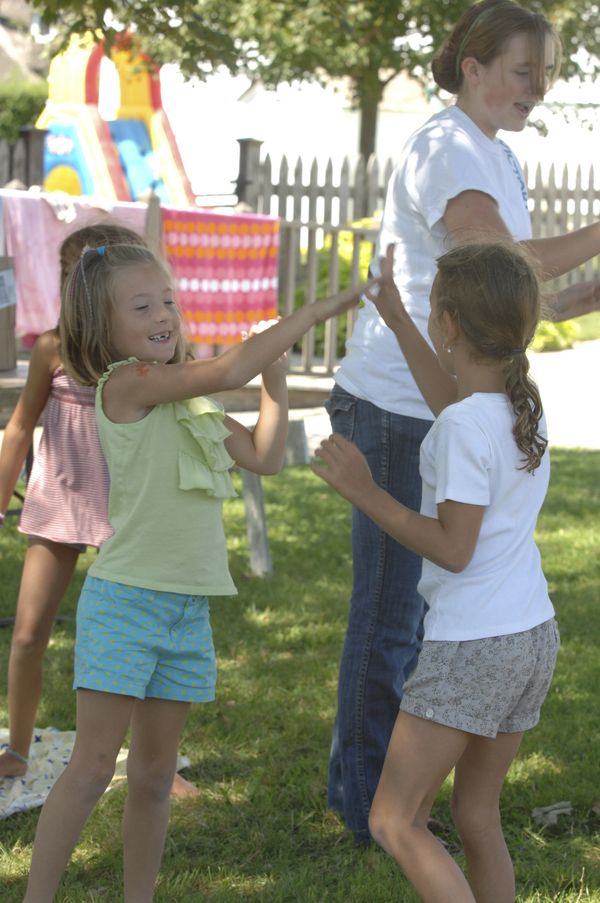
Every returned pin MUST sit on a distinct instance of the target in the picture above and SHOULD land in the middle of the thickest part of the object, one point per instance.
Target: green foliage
(281, 40)
(555, 336)
(20, 105)
(261, 832)
(345, 252)
(589, 326)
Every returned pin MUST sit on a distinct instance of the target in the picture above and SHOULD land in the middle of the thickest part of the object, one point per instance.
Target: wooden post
(296, 452)
(153, 225)
(247, 182)
(19, 161)
(8, 307)
(34, 142)
(4, 162)
(261, 563)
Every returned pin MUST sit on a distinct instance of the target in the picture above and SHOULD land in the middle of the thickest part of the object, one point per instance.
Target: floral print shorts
(484, 686)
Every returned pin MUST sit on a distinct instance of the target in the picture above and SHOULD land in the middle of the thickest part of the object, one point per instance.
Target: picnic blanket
(49, 755)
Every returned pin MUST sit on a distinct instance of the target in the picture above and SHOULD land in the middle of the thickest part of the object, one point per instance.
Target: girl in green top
(144, 648)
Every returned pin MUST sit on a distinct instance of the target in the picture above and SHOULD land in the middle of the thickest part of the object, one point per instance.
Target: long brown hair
(86, 311)
(483, 32)
(492, 291)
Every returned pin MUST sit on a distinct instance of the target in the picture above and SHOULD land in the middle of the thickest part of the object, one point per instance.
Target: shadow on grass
(261, 830)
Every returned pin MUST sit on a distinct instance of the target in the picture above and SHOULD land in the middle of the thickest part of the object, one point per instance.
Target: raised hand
(337, 304)
(280, 365)
(347, 469)
(387, 298)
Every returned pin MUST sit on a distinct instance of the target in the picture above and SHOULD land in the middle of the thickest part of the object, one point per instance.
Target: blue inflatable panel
(62, 147)
(137, 157)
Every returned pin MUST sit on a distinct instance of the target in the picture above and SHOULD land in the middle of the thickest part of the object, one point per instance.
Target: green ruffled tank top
(169, 474)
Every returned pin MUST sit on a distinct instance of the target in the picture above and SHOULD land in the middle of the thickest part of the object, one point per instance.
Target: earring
(445, 347)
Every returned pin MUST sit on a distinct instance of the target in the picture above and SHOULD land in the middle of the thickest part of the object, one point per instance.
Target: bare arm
(448, 541)
(437, 388)
(19, 430)
(575, 301)
(133, 390)
(261, 450)
(473, 216)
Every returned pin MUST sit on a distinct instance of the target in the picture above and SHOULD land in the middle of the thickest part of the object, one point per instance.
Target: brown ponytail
(493, 293)
(483, 32)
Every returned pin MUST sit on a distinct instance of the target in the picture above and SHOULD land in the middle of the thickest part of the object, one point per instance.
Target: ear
(449, 326)
(471, 70)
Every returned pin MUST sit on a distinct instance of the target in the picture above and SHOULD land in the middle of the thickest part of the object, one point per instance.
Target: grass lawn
(262, 831)
(589, 326)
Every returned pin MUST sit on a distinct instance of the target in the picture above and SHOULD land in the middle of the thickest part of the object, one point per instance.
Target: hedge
(20, 105)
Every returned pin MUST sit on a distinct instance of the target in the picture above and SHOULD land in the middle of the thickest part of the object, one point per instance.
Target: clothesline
(224, 265)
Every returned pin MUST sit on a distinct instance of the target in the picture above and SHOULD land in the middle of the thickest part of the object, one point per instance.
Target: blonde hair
(493, 293)
(93, 236)
(483, 32)
(87, 306)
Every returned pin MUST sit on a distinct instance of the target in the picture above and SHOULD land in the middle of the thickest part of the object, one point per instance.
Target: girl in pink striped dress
(66, 508)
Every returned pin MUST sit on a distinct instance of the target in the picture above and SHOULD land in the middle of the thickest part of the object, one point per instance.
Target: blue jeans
(385, 625)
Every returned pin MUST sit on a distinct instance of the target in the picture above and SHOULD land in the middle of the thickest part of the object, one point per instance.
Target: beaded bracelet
(17, 756)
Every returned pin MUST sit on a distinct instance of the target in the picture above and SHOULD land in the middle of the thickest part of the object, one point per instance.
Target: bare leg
(420, 756)
(47, 572)
(102, 721)
(156, 725)
(478, 780)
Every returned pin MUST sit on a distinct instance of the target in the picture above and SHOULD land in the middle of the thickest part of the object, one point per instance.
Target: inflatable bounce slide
(85, 154)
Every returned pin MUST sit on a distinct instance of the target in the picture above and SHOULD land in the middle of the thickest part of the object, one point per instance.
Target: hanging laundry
(226, 268)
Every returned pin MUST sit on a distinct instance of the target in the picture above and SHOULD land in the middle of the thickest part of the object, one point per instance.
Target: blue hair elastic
(101, 249)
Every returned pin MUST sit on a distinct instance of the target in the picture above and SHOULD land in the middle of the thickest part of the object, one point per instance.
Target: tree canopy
(277, 41)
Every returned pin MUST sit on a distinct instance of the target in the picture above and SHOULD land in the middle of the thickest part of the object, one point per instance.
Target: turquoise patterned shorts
(140, 642)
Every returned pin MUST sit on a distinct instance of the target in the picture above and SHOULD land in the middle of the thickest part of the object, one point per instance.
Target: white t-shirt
(470, 456)
(446, 156)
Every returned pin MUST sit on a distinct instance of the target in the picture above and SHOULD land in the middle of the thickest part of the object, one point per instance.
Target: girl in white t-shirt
(490, 637)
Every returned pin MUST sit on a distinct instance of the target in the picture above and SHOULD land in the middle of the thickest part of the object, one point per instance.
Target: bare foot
(11, 767)
(181, 787)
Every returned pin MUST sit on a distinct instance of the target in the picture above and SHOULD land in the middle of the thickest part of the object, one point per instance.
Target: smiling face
(500, 95)
(144, 322)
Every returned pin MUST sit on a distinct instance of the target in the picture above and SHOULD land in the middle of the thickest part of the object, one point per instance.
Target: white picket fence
(557, 208)
(328, 204)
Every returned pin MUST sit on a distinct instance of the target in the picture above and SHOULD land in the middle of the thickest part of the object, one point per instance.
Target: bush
(20, 105)
(345, 247)
(555, 336)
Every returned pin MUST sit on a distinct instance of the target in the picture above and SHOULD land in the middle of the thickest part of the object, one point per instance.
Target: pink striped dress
(67, 493)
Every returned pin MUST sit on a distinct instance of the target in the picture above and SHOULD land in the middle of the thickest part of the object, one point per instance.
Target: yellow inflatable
(121, 159)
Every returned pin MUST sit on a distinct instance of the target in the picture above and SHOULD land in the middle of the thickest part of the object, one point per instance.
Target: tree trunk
(368, 91)
(368, 128)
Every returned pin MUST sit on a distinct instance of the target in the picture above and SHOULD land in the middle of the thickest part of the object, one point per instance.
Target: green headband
(476, 21)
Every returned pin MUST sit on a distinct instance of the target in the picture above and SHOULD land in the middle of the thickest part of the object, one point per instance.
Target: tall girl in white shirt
(490, 637)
